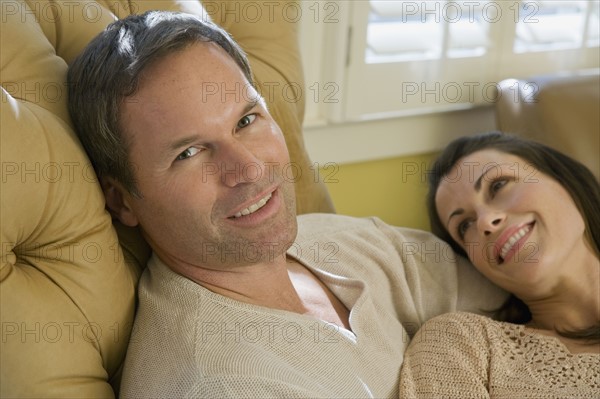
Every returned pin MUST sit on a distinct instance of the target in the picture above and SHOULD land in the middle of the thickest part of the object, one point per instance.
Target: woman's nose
(490, 222)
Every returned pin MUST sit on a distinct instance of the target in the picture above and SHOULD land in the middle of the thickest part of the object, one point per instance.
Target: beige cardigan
(191, 342)
(464, 355)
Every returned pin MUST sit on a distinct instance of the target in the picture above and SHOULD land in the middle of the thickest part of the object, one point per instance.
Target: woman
(528, 218)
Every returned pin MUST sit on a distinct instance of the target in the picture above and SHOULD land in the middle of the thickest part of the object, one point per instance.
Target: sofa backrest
(559, 110)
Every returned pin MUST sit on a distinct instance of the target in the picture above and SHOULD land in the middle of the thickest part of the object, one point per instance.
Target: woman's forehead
(468, 173)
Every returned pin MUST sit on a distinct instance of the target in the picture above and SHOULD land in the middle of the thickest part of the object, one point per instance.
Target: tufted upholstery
(67, 280)
(560, 110)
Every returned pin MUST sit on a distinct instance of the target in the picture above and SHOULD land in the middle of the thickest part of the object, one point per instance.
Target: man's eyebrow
(252, 102)
(477, 187)
(185, 141)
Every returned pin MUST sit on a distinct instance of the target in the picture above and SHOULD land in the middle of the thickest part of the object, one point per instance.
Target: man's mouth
(254, 207)
(512, 240)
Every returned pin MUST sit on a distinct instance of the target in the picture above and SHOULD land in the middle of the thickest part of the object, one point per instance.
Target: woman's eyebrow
(457, 212)
(477, 187)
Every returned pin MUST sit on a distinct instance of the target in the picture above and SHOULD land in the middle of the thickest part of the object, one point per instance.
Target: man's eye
(246, 120)
(189, 152)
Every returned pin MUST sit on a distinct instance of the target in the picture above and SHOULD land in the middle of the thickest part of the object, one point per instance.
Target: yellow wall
(391, 189)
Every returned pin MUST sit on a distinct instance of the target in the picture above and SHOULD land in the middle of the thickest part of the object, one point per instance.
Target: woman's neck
(572, 305)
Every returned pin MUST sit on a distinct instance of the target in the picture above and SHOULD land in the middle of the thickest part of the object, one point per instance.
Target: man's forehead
(187, 109)
(202, 60)
(202, 69)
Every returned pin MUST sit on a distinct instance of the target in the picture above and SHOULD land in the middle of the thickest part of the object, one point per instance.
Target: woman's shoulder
(459, 339)
(461, 319)
(453, 326)
(476, 329)
(466, 326)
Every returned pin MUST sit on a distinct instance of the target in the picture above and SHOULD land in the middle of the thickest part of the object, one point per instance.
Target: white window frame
(346, 105)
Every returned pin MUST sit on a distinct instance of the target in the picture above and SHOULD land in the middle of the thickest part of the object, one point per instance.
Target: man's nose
(239, 164)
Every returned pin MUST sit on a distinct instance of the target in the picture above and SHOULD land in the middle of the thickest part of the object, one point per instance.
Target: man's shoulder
(323, 226)
(341, 230)
(324, 223)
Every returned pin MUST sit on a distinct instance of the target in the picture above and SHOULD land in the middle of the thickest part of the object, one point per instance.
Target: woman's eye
(246, 120)
(189, 152)
(463, 227)
(496, 185)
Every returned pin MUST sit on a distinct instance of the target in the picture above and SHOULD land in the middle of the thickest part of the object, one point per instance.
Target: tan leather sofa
(67, 281)
(560, 110)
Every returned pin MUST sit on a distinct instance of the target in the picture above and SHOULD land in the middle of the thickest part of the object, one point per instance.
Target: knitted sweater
(190, 342)
(462, 355)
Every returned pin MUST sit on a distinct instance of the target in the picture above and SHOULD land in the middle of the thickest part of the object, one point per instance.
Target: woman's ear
(118, 201)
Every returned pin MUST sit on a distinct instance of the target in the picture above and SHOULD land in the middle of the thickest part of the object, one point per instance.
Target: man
(241, 298)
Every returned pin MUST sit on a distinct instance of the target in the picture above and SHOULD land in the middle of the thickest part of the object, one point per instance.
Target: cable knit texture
(190, 342)
(463, 355)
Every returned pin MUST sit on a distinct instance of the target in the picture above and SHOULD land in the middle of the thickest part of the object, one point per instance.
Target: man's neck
(265, 284)
(282, 284)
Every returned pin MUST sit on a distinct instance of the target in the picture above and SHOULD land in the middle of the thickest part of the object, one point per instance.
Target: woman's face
(519, 227)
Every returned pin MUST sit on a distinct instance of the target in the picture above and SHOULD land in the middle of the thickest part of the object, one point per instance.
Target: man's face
(208, 159)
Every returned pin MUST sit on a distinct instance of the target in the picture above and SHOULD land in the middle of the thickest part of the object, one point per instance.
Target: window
(411, 57)
(556, 25)
(405, 31)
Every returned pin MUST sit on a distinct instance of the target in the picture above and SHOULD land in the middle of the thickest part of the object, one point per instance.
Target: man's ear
(118, 201)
